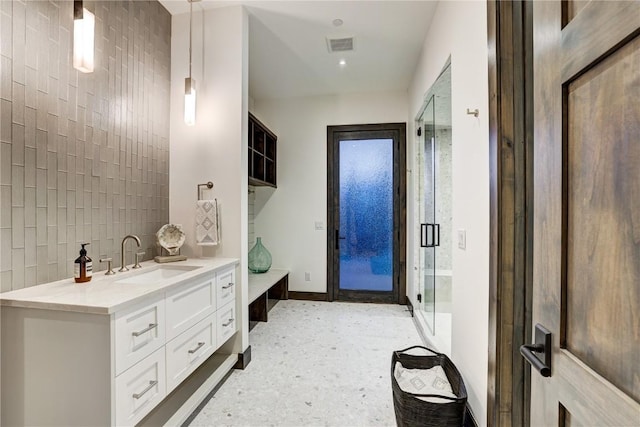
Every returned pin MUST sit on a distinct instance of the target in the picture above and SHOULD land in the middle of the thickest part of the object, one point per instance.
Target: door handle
(437, 234)
(541, 346)
(338, 238)
(423, 236)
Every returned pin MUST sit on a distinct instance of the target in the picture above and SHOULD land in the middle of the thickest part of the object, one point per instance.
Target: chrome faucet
(123, 265)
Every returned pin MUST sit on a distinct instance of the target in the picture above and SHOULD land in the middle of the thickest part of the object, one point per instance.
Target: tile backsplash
(251, 199)
(83, 157)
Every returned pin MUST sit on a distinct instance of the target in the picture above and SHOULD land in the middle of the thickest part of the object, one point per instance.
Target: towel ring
(209, 185)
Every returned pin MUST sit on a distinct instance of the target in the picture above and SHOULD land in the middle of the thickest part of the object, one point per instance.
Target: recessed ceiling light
(342, 62)
(337, 22)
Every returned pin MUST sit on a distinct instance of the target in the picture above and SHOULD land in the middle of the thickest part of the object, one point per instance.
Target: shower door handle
(436, 228)
(424, 235)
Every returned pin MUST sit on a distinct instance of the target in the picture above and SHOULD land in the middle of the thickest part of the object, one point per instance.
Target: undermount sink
(157, 274)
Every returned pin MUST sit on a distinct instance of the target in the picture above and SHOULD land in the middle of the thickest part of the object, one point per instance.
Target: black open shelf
(262, 154)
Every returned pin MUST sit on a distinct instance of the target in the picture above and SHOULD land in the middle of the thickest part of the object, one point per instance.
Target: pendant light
(189, 82)
(84, 23)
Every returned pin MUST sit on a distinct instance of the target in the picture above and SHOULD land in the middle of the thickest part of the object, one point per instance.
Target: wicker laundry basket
(411, 410)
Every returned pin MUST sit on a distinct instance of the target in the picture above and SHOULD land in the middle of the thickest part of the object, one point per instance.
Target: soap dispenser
(83, 267)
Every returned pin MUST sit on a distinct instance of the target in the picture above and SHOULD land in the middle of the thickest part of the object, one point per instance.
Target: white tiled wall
(444, 197)
(251, 203)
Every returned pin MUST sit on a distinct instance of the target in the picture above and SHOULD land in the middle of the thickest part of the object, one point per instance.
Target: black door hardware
(424, 235)
(338, 238)
(542, 347)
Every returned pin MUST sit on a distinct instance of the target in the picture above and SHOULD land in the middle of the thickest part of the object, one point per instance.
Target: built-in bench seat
(265, 290)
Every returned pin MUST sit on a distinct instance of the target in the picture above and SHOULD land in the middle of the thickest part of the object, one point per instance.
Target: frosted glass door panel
(366, 215)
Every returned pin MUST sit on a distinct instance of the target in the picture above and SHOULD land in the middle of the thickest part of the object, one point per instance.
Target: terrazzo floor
(316, 364)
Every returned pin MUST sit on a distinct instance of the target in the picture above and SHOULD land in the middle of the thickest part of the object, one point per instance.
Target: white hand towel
(424, 381)
(207, 222)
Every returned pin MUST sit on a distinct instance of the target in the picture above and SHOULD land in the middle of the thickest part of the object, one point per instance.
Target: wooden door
(587, 211)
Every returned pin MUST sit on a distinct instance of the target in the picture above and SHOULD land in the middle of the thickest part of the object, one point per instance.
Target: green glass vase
(259, 258)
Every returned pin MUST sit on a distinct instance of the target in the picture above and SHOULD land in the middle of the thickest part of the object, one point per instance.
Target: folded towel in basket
(207, 232)
(424, 381)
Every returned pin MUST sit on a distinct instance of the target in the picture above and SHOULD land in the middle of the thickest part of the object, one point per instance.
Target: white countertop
(103, 295)
(259, 283)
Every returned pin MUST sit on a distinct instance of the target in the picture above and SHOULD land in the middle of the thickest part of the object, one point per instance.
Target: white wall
(285, 217)
(215, 149)
(459, 29)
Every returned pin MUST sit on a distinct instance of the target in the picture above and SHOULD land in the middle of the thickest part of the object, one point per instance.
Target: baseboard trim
(183, 402)
(204, 401)
(469, 420)
(308, 296)
(410, 306)
(244, 359)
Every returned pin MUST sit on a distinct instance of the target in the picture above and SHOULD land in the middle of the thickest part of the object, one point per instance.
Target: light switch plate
(462, 239)
(319, 225)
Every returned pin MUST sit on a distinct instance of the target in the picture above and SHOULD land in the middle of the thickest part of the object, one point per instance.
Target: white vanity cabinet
(140, 388)
(139, 332)
(67, 364)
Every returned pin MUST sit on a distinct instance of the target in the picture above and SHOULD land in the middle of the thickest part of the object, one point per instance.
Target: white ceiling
(288, 55)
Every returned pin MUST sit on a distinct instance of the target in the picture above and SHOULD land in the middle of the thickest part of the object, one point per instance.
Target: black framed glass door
(366, 212)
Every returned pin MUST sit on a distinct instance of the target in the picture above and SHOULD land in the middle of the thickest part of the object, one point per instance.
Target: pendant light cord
(190, 32)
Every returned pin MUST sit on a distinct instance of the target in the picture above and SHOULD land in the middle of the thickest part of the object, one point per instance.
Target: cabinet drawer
(226, 322)
(188, 350)
(189, 304)
(140, 389)
(138, 333)
(226, 286)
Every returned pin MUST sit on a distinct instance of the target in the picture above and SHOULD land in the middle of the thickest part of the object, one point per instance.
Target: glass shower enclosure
(434, 186)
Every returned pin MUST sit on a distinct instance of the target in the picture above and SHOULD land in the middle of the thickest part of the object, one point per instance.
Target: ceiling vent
(344, 44)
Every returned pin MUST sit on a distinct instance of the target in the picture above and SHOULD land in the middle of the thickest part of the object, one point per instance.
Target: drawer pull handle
(151, 385)
(193, 350)
(145, 330)
(228, 323)
(228, 286)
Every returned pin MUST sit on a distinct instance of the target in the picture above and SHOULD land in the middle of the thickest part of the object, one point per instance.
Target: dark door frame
(510, 42)
(396, 131)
